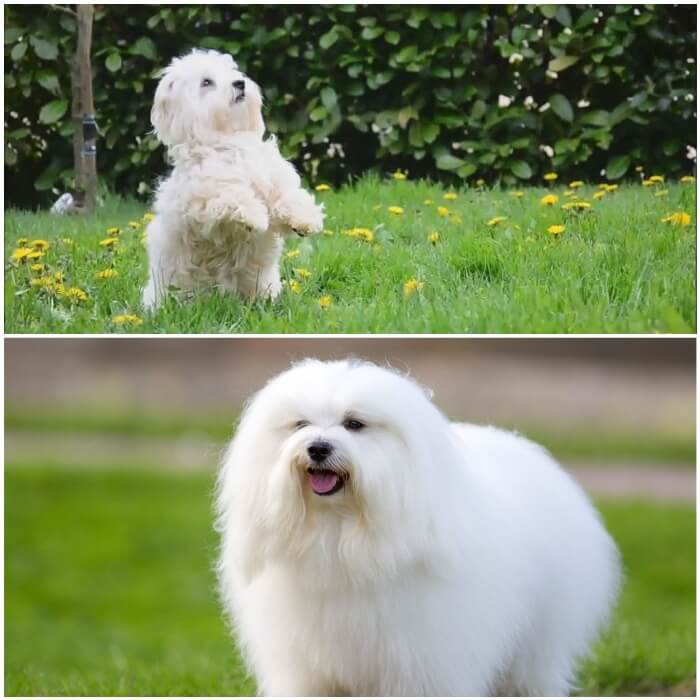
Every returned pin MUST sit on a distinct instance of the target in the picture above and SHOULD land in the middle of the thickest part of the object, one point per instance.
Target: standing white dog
(231, 196)
(371, 547)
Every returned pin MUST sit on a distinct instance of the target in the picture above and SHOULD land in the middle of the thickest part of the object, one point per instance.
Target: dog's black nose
(319, 450)
(239, 85)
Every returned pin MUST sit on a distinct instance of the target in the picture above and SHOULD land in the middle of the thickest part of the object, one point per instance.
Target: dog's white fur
(231, 196)
(456, 560)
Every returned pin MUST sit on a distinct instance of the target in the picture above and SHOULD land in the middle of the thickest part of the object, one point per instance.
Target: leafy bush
(500, 92)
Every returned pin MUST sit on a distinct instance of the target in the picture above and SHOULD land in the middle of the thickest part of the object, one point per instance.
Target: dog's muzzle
(324, 478)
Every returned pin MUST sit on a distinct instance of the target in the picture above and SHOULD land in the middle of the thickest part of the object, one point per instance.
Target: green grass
(593, 443)
(617, 268)
(109, 591)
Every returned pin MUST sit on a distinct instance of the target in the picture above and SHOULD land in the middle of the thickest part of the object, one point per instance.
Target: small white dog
(230, 198)
(371, 547)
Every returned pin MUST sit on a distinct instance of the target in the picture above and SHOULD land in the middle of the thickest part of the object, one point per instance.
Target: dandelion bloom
(647, 183)
(518, 194)
(427, 202)
(323, 187)
(685, 179)
(576, 184)
(496, 220)
(73, 294)
(35, 255)
(67, 241)
(22, 241)
(149, 216)
(106, 274)
(661, 193)
(568, 193)
(327, 232)
(551, 177)
(20, 254)
(556, 229)
(433, 237)
(443, 211)
(127, 320)
(412, 285)
(295, 286)
(293, 253)
(600, 194)
(325, 301)
(40, 245)
(113, 231)
(610, 188)
(135, 224)
(656, 179)
(109, 242)
(679, 218)
(398, 175)
(395, 210)
(576, 205)
(47, 282)
(362, 233)
(549, 200)
(37, 267)
(450, 195)
(58, 276)
(302, 272)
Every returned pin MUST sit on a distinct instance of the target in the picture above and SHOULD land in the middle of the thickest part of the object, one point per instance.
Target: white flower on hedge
(689, 97)
(515, 58)
(504, 101)
(552, 74)
(540, 33)
(544, 107)
(529, 102)
(547, 150)
(583, 103)
(602, 172)
(691, 153)
(567, 31)
(690, 60)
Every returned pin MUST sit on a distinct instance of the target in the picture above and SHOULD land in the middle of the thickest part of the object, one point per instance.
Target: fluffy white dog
(230, 198)
(371, 547)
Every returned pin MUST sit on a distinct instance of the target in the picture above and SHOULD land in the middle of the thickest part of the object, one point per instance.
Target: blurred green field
(109, 590)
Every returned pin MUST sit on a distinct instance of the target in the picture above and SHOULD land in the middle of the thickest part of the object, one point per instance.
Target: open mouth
(325, 482)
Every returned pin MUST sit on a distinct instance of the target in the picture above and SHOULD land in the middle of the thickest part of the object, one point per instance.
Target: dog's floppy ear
(254, 102)
(163, 111)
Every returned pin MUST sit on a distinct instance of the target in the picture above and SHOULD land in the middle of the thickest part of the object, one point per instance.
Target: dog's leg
(231, 203)
(297, 212)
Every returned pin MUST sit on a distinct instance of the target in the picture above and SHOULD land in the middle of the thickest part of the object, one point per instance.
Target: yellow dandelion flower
(58, 276)
(433, 237)
(73, 294)
(443, 211)
(450, 196)
(679, 218)
(106, 274)
(302, 272)
(398, 175)
(113, 231)
(412, 285)
(661, 193)
(135, 224)
(20, 254)
(656, 179)
(40, 245)
(685, 179)
(611, 188)
(454, 219)
(362, 233)
(551, 177)
(427, 203)
(568, 193)
(549, 200)
(323, 187)
(295, 286)
(127, 320)
(576, 205)
(556, 229)
(325, 301)
(576, 184)
(22, 242)
(46, 282)
(67, 241)
(496, 220)
(109, 242)
(37, 267)
(395, 210)
(518, 194)
(294, 253)
(647, 183)
(35, 255)
(327, 232)
(600, 194)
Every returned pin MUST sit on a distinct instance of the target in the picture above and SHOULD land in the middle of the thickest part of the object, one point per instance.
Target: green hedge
(451, 92)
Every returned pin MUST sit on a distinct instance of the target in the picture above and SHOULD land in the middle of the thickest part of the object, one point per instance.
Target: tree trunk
(83, 106)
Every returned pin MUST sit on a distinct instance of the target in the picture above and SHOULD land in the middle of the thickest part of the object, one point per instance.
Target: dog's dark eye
(207, 82)
(352, 424)
(301, 424)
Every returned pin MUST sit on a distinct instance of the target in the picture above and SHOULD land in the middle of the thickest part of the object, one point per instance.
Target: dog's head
(337, 465)
(202, 97)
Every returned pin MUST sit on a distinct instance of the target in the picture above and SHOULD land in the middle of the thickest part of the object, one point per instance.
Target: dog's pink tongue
(323, 481)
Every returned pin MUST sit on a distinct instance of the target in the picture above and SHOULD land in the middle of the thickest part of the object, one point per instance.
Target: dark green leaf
(44, 48)
(617, 167)
(561, 107)
(53, 111)
(113, 62)
(328, 39)
(521, 169)
(446, 161)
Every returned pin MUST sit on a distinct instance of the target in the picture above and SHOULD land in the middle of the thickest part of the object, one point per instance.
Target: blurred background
(112, 445)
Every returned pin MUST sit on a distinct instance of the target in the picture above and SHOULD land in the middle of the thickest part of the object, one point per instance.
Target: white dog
(231, 196)
(371, 547)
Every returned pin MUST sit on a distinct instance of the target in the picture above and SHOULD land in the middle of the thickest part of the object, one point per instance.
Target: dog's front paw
(306, 220)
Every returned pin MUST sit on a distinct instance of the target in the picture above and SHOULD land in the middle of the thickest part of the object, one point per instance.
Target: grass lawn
(109, 591)
(616, 268)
